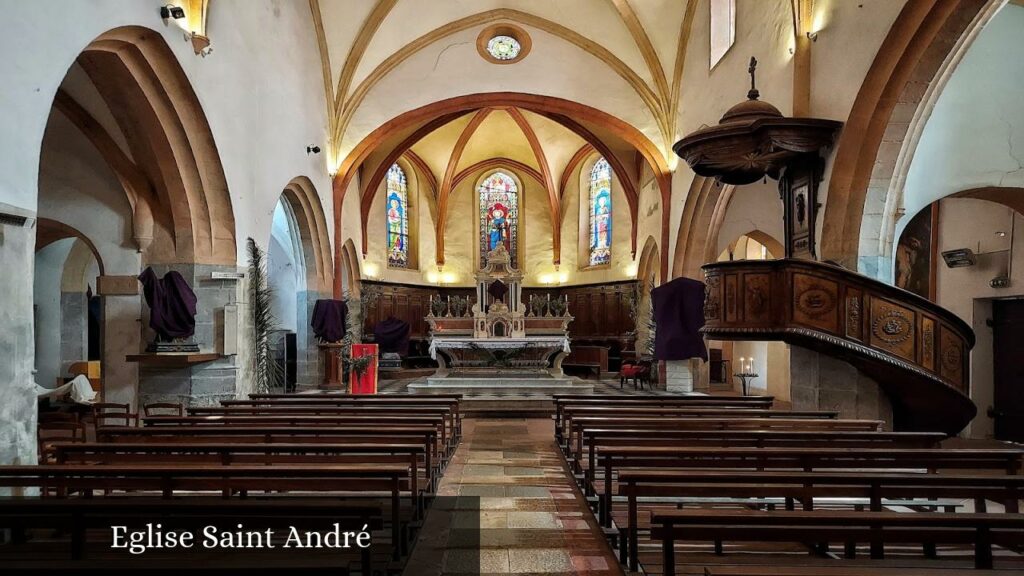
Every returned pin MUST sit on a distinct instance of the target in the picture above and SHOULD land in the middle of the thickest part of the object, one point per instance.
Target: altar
(497, 346)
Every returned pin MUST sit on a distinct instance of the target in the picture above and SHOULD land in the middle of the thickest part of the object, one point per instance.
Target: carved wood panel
(731, 304)
(815, 302)
(928, 343)
(757, 301)
(855, 314)
(951, 356)
(892, 328)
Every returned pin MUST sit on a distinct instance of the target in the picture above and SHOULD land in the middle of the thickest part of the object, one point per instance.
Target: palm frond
(267, 373)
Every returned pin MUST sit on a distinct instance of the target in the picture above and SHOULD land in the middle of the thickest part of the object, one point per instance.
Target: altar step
(501, 388)
(507, 407)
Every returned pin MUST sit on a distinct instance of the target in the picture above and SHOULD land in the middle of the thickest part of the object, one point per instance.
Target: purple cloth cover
(679, 316)
(328, 320)
(172, 304)
(497, 290)
(392, 335)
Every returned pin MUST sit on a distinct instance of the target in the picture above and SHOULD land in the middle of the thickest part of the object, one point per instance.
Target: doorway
(1007, 350)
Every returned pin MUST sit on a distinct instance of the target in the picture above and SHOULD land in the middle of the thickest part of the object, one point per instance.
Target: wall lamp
(812, 36)
(314, 149)
(171, 11)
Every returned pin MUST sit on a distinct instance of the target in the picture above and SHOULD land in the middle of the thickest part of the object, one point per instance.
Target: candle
(743, 366)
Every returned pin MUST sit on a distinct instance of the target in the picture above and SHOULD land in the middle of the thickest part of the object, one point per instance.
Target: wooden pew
(593, 438)
(79, 517)
(451, 401)
(424, 435)
(845, 571)
(711, 424)
(199, 453)
(444, 412)
(621, 414)
(875, 489)
(172, 479)
(562, 400)
(379, 422)
(1006, 460)
(981, 530)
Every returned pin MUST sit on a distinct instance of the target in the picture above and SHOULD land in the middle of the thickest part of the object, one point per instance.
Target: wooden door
(1008, 356)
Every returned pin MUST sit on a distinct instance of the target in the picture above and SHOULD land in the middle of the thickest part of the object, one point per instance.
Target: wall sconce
(312, 149)
(371, 270)
(171, 11)
(812, 36)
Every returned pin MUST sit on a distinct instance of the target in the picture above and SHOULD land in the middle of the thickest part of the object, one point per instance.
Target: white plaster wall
(753, 207)
(281, 272)
(966, 291)
(261, 91)
(46, 303)
(975, 135)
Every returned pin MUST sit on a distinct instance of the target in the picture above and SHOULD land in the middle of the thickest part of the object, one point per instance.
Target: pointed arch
(302, 199)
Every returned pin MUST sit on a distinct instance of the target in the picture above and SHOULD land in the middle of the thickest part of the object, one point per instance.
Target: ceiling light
(172, 11)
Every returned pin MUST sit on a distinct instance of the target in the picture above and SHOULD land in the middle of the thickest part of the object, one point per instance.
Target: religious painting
(600, 213)
(915, 253)
(397, 218)
(499, 215)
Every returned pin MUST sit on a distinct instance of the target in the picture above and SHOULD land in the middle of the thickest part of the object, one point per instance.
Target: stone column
(17, 389)
(820, 382)
(122, 335)
(309, 370)
(74, 329)
(678, 376)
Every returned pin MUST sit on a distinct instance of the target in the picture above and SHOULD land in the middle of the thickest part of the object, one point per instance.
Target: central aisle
(512, 481)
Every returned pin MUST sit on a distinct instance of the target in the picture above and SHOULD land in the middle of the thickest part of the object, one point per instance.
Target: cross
(753, 94)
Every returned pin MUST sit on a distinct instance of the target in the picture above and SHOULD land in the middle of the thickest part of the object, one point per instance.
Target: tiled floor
(510, 479)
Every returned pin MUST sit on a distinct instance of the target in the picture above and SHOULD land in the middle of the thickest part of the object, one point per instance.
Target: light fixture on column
(171, 11)
(312, 149)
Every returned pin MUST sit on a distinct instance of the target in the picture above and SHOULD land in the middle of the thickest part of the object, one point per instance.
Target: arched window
(397, 218)
(600, 213)
(499, 215)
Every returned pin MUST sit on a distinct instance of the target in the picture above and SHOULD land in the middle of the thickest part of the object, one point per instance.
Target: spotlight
(172, 11)
(314, 149)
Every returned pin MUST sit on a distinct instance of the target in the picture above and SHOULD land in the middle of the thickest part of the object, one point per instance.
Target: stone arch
(311, 224)
(880, 136)
(350, 277)
(49, 231)
(775, 248)
(79, 261)
(650, 262)
(703, 213)
(182, 180)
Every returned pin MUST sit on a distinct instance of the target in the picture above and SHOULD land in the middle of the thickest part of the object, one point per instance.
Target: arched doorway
(129, 158)
(299, 272)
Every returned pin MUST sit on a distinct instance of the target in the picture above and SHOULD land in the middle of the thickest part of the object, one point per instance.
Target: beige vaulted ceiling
(383, 58)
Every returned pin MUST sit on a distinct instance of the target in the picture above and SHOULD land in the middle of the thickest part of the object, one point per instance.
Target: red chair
(640, 373)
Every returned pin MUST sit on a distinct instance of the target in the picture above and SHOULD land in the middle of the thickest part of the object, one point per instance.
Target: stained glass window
(397, 207)
(503, 47)
(600, 213)
(499, 215)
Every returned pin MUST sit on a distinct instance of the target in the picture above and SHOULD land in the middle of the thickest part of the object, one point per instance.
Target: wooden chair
(110, 413)
(50, 433)
(163, 409)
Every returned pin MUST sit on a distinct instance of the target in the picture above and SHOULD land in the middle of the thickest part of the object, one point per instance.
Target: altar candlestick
(743, 366)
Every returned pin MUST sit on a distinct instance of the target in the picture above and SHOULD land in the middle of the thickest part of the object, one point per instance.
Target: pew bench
(644, 489)
(983, 531)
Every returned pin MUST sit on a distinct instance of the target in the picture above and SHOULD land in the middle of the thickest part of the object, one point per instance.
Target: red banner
(367, 382)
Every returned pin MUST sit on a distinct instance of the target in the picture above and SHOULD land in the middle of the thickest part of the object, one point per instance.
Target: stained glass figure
(600, 213)
(499, 215)
(397, 218)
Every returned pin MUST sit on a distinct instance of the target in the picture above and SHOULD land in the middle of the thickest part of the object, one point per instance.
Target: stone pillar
(820, 382)
(121, 336)
(678, 377)
(207, 383)
(17, 389)
(309, 370)
(74, 329)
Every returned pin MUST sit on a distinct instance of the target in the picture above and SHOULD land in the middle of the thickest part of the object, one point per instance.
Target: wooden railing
(917, 351)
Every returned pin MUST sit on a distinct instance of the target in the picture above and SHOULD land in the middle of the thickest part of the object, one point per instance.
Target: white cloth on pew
(79, 390)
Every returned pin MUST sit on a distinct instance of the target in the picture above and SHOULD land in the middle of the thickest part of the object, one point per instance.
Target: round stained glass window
(503, 47)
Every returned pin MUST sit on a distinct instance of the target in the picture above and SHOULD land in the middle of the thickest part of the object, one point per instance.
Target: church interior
(600, 287)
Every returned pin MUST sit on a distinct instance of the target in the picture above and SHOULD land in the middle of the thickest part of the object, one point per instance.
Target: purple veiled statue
(328, 322)
(172, 305)
(679, 316)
